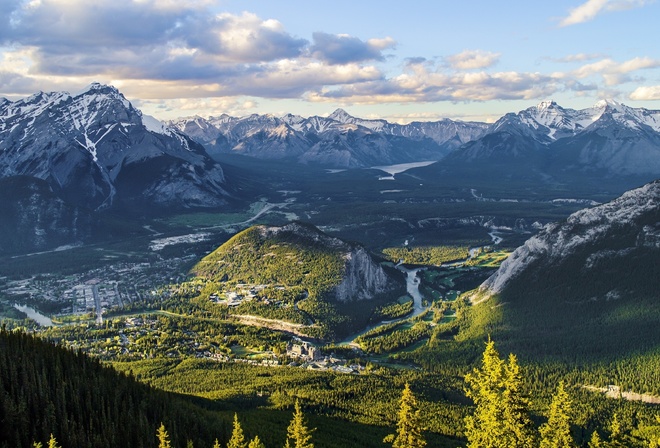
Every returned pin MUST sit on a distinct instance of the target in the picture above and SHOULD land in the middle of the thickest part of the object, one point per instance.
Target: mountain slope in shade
(339, 140)
(96, 150)
(34, 219)
(587, 286)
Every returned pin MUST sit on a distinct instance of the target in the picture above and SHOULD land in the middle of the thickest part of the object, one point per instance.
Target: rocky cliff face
(363, 278)
(618, 230)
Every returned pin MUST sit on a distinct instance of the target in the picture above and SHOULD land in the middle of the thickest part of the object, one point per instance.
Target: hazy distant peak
(340, 115)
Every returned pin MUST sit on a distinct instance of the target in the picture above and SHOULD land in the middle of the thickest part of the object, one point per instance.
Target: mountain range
(609, 137)
(339, 140)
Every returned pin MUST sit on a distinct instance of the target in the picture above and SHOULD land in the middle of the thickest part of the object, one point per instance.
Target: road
(97, 303)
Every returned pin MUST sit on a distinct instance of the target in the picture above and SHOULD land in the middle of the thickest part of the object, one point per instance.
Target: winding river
(412, 288)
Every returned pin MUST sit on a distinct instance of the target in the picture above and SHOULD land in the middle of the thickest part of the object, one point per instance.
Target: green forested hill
(300, 275)
(288, 258)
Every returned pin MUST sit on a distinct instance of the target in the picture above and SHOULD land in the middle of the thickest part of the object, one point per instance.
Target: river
(35, 315)
(412, 288)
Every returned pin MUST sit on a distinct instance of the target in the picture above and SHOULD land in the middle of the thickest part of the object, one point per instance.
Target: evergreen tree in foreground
(163, 437)
(237, 439)
(595, 441)
(298, 431)
(52, 443)
(501, 418)
(556, 433)
(408, 427)
(256, 443)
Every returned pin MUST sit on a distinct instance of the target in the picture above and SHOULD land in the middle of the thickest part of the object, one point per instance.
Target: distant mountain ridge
(609, 138)
(339, 140)
(98, 151)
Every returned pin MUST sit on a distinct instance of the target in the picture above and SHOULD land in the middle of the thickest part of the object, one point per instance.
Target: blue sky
(403, 61)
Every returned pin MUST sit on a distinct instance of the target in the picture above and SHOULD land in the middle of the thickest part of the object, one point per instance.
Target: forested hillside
(45, 390)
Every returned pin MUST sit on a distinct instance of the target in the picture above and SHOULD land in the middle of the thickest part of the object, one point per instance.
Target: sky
(401, 61)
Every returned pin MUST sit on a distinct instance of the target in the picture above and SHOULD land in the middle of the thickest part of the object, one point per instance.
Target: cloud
(172, 49)
(473, 59)
(579, 57)
(344, 49)
(420, 84)
(91, 31)
(646, 93)
(591, 8)
(615, 73)
(196, 106)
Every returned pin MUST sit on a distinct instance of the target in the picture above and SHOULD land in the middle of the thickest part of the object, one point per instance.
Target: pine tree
(501, 417)
(37, 445)
(617, 437)
(408, 427)
(256, 443)
(595, 441)
(298, 431)
(189, 444)
(556, 433)
(615, 427)
(216, 444)
(519, 427)
(52, 443)
(163, 437)
(654, 434)
(237, 439)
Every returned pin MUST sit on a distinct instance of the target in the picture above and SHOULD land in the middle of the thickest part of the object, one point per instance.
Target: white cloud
(646, 93)
(473, 59)
(591, 8)
(579, 57)
(420, 84)
(614, 73)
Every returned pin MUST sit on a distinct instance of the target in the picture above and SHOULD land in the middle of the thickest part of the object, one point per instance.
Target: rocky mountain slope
(542, 141)
(34, 219)
(339, 140)
(98, 151)
(583, 288)
(589, 237)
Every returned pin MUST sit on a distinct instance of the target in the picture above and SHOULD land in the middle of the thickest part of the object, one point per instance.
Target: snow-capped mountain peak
(82, 144)
(609, 103)
(341, 116)
(546, 104)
